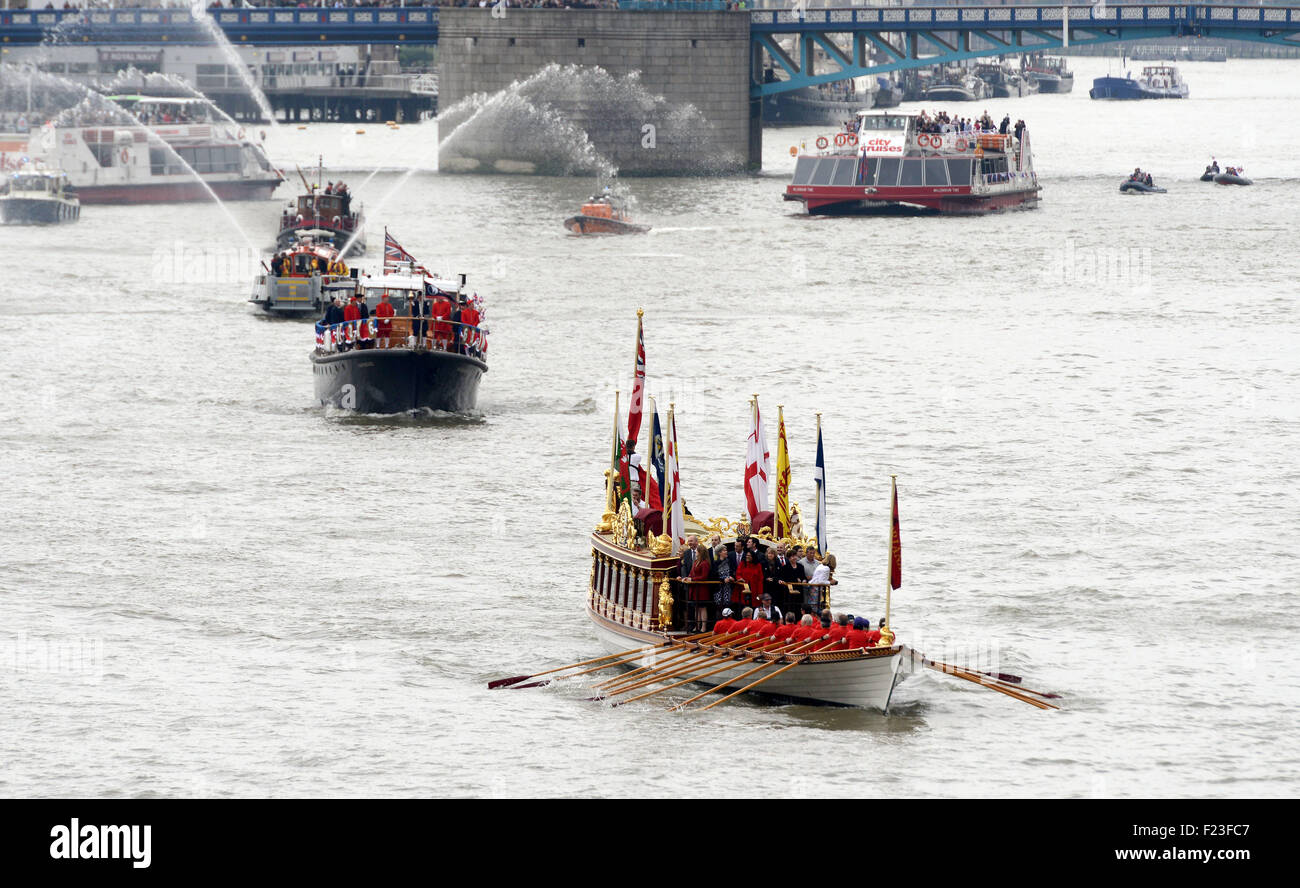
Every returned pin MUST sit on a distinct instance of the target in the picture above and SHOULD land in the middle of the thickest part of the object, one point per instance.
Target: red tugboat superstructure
(890, 161)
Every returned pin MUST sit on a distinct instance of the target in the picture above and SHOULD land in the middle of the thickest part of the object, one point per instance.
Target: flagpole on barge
(894, 563)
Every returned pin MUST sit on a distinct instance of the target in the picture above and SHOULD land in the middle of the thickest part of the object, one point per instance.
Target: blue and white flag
(819, 475)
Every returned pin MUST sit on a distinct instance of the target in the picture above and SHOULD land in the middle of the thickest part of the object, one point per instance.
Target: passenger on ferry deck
(723, 626)
(857, 636)
(786, 629)
(333, 315)
(751, 573)
(383, 312)
(469, 317)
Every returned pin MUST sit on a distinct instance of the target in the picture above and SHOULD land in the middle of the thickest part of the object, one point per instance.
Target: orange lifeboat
(602, 215)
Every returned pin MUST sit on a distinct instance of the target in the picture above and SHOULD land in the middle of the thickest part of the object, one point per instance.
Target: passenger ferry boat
(634, 596)
(429, 354)
(35, 196)
(326, 218)
(886, 163)
(1156, 82)
(956, 85)
(111, 161)
(604, 214)
(296, 282)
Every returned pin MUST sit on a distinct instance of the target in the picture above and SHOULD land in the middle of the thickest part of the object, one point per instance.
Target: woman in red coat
(698, 592)
(751, 572)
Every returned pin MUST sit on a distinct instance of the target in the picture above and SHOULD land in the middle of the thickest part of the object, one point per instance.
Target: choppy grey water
(210, 587)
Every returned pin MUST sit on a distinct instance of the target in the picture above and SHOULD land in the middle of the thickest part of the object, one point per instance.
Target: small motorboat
(1132, 186)
(604, 214)
(1231, 176)
(37, 196)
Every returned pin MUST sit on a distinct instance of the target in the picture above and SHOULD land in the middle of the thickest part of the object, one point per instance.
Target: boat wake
(574, 120)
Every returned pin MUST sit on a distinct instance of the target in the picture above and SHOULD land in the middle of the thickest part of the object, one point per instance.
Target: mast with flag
(819, 475)
(782, 477)
(655, 476)
(678, 520)
(757, 465)
(894, 571)
(634, 407)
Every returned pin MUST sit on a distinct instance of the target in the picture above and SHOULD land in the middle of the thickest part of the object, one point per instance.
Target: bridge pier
(696, 58)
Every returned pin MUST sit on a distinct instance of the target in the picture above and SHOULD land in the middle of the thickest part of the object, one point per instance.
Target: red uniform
(874, 637)
(838, 632)
(351, 312)
(784, 633)
(441, 314)
(383, 311)
(723, 626)
(766, 629)
(742, 626)
(469, 316)
(857, 638)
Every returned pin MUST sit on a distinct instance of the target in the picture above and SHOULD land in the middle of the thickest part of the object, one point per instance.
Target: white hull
(863, 682)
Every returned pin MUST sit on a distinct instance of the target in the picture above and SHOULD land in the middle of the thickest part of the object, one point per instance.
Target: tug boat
(109, 159)
(1050, 73)
(603, 214)
(36, 196)
(297, 280)
(635, 598)
(430, 353)
(326, 218)
(1156, 82)
(886, 164)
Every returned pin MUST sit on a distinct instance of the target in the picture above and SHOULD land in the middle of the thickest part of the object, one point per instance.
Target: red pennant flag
(895, 547)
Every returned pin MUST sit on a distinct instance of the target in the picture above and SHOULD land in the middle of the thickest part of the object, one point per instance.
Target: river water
(210, 587)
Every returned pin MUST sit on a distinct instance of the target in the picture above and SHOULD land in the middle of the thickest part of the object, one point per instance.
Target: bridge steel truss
(861, 41)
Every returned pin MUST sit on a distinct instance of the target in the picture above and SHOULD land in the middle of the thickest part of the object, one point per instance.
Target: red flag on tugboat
(895, 544)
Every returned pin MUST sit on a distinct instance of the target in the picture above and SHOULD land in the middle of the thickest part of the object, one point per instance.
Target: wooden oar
(674, 672)
(755, 684)
(690, 651)
(724, 667)
(1005, 679)
(764, 665)
(669, 663)
(947, 669)
(503, 682)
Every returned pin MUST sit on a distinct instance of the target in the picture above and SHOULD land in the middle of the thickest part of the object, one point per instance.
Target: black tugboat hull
(24, 211)
(397, 380)
(1228, 179)
(1139, 188)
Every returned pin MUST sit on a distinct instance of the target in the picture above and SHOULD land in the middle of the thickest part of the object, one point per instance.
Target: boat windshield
(33, 183)
(884, 122)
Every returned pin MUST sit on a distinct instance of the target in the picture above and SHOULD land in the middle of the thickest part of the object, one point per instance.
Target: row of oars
(1000, 682)
(686, 660)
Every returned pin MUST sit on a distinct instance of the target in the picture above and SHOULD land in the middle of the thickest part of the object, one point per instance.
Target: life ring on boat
(125, 156)
(961, 144)
(926, 141)
(851, 139)
(821, 142)
(840, 139)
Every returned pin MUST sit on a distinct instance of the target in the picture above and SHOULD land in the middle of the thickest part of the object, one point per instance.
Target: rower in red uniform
(746, 622)
(383, 311)
(786, 630)
(857, 636)
(723, 626)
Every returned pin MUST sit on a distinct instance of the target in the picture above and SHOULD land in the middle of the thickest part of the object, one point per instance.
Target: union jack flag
(393, 251)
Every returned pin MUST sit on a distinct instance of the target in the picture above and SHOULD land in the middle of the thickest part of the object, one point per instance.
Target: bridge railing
(917, 17)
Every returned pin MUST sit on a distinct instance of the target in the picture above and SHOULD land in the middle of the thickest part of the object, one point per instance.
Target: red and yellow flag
(782, 478)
